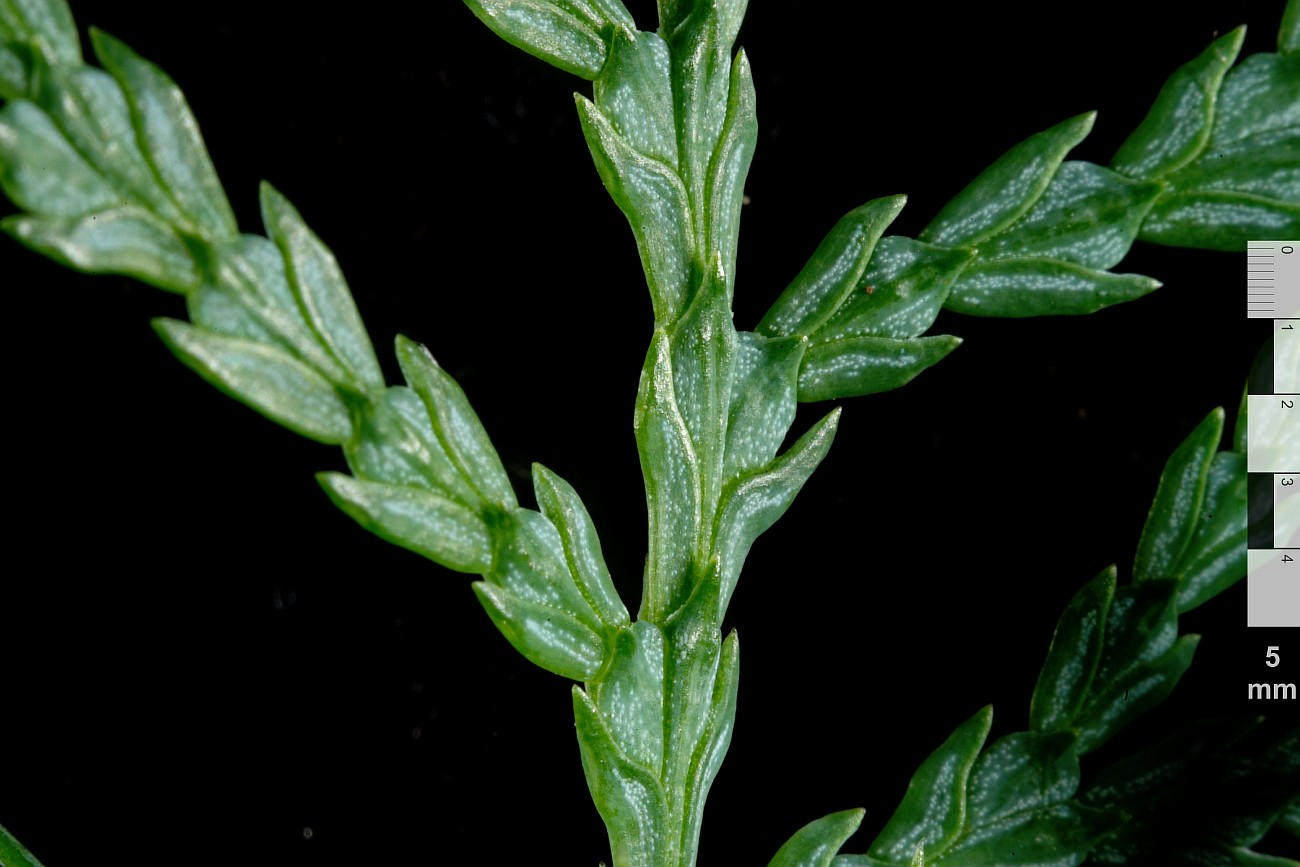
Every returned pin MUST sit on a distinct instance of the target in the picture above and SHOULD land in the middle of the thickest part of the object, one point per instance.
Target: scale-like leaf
(755, 501)
(1178, 126)
(429, 524)
(635, 92)
(654, 200)
(16, 62)
(816, 844)
(166, 128)
(1176, 508)
(730, 167)
(901, 292)
(45, 23)
(270, 381)
(1072, 659)
(546, 636)
(833, 272)
(457, 426)
(560, 503)
(13, 853)
(1008, 188)
(1022, 771)
(528, 561)
(321, 291)
(1133, 693)
(1261, 94)
(933, 812)
(764, 391)
(629, 693)
(1062, 834)
(41, 172)
(1215, 558)
(712, 744)
(547, 29)
(1288, 35)
(1042, 287)
(867, 365)
(629, 797)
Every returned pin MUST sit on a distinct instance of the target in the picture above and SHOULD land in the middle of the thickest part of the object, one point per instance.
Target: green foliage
(113, 177)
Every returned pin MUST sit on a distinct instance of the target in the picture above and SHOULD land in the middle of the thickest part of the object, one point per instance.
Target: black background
(202, 659)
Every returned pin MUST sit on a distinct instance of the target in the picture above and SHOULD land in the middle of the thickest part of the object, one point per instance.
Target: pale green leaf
(833, 272)
(1215, 558)
(123, 240)
(712, 744)
(635, 93)
(764, 392)
(427, 523)
(933, 812)
(1008, 188)
(901, 292)
(550, 30)
(547, 637)
(1261, 94)
(560, 503)
(1178, 126)
(1088, 215)
(1067, 673)
(41, 172)
(867, 365)
(169, 135)
(1042, 287)
(628, 797)
(730, 167)
(456, 424)
(753, 503)
(671, 472)
(394, 442)
(629, 693)
(1176, 508)
(816, 844)
(321, 291)
(528, 560)
(652, 197)
(45, 23)
(270, 381)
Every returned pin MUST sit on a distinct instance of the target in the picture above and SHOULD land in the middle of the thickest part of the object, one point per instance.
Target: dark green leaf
(169, 135)
(901, 293)
(1239, 429)
(393, 442)
(13, 853)
(654, 200)
(1178, 126)
(1288, 35)
(270, 381)
(635, 93)
(1022, 771)
(321, 291)
(1176, 508)
(560, 503)
(672, 484)
(45, 23)
(427, 523)
(629, 797)
(754, 502)
(763, 400)
(457, 426)
(41, 172)
(16, 62)
(866, 365)
(1218, 220)
(1088, 215)
(1006, 190)
(1133, 693)
(1289, 821)
(1261, 94)
(548, 29)
(1042, 287)
(833, 272)
(1044, 837)
(730, 167)
(933, 812)
(629, 693)
(1215, 558)
(1071, 662)
(120, 241)
(816, 844)
(1141, 624)
(546, 636)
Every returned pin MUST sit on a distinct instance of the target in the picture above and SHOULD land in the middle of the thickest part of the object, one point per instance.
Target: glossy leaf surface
(815, 844)
(556, 31)
(867, 365)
